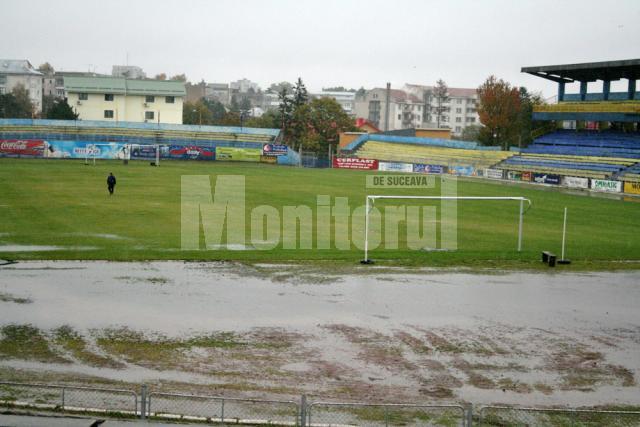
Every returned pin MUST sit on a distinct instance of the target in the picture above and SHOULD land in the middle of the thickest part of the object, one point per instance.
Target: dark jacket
(111, 181)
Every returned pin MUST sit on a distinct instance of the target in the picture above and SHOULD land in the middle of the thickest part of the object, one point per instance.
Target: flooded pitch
(364, 334)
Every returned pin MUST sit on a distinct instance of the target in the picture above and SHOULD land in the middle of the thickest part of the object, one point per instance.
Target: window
(459, 110)
(149, 98)
(1, 91)
(170, 99)
(3, 80)
(399, 116)
(458, 129)
(470, 119)
(108, 97)
(108, 114)
(83, 96)
(148, 115)
(459, 101)
(458, 119)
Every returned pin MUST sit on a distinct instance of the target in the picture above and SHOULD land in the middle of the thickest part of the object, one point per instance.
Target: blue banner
(147, 152)
(85, 149)
(192, 152)
(274, 150)
(420, 168)
(545, 178)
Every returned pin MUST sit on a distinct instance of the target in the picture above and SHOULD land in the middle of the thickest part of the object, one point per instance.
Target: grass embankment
(66, 204)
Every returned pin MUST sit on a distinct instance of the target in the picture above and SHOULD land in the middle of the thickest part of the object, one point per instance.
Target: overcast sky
(327, 43)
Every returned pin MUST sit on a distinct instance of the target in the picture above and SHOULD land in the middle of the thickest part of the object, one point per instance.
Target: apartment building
(14, 72)
(131, 100)
(405, 109)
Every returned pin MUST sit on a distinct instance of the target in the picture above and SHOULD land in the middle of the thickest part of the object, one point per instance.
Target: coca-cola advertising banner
(349, 163)
(21, 147)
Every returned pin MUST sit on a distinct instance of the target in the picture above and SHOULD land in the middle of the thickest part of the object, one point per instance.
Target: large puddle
(511, 338)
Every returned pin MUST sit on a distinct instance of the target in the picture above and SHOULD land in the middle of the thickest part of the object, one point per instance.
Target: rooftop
(588, 71)
(18, 66)
(122, 86)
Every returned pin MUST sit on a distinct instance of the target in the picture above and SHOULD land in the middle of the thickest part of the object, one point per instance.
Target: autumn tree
(499, 110)
(46, 69)
(179, 77)
(16, 104)
(161, 76)
(328, 120)
(196, 113)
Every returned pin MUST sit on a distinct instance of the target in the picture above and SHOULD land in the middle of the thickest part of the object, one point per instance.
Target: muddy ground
(363, 334)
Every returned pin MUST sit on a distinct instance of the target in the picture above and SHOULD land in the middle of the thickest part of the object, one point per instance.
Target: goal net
(448, 208)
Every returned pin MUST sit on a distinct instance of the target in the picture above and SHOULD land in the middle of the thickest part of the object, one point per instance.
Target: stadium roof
(588, 71)
(122, 86)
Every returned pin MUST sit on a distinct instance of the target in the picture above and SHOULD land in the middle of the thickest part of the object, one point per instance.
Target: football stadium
(413, 279)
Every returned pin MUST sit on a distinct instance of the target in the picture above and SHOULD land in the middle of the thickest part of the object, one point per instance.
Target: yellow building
(127, 100)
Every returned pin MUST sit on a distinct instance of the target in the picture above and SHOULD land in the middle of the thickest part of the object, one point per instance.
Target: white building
(460, 110)
(346, 100)
(405, 110)
(128, 71)
(14, 72)
(243, 86)
(130, 100)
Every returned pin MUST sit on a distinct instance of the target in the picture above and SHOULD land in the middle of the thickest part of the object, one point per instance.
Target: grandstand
(434, 151)
(136, 133)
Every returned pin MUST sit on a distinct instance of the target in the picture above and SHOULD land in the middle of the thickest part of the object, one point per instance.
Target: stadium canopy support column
(366, 259)
(157, 155)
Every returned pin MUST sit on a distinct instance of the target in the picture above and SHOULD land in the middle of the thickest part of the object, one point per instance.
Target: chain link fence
(239, 411)
(323, 414)
(69, 398)
(223, 409)
(505, 416)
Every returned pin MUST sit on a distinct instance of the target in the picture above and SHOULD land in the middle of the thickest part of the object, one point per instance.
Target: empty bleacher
(135, 133)
(427, 151)
(587, 154)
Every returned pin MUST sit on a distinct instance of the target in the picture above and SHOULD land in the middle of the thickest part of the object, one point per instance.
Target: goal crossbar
(371, 199)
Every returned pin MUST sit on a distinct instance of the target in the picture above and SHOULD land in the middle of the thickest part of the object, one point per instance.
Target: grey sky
(328, 42)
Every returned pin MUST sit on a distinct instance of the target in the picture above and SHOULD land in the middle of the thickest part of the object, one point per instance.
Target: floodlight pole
(157, 155)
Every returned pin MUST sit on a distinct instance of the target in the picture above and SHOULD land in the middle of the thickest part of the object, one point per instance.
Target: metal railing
(520, 416)
(69, 398)
(323, 414)
(222, 409)
(248, 411)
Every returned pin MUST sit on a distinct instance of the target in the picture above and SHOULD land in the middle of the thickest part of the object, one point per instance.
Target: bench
(549, 258)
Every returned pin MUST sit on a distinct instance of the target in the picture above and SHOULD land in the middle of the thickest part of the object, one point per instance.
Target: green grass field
(66, 204)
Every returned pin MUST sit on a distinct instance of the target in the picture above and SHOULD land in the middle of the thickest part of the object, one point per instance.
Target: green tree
(61, 110)
(300, 94)
(196, 113)
(46, 69)
(245, 104)
(471, 133)
(277, 87)
(440, 94)
(48, 102)
(217, 110)
(285, 109)
(328, 120)
(17, 104)
(234, 106)
(525, 122)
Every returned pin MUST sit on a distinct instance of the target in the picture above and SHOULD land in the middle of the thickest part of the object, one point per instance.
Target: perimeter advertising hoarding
(274, 150)
(632, 187)
(192, 152)
(269, 159)
(514, 176)
(546, 178)
(575, 182)
(21, 147)
(493, 173)
(436, 169)
(462, 170)
(606, 185)
(84, 149)
(395, 167)
(526, 176)
(354, 163)
(238, 154)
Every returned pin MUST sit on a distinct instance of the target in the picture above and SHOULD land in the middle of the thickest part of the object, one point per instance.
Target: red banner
(349, 163)
(21, 147)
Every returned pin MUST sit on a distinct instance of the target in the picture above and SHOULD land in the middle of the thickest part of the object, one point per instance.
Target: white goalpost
(156, 148)
(370, 200)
